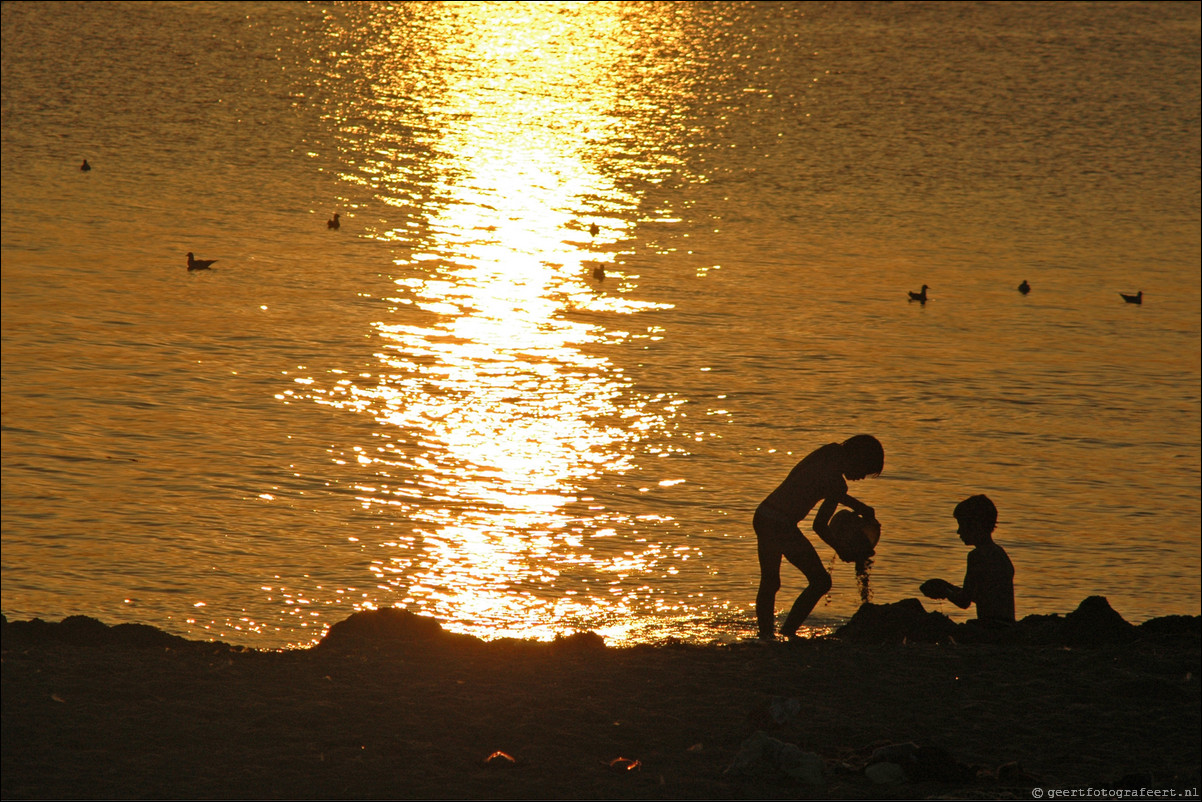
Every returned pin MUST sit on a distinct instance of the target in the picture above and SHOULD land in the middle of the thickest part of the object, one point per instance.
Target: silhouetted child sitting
(821, 476)
(989, 581)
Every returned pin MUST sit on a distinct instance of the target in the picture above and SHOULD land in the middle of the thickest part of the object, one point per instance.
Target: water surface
(439, 406)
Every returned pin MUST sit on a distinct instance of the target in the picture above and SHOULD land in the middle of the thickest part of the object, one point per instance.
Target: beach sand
(389, 705)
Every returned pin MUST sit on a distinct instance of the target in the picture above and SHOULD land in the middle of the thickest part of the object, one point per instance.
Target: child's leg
(771, 537)
(765, 599)
(802, 554)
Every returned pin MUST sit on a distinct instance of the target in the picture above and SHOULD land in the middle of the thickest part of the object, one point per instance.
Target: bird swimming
(333, 222)
(599, 273)
(1138, 298)
(920, 296)
(593, 229)
(199, 264)
(83, 168)
(1024, 288)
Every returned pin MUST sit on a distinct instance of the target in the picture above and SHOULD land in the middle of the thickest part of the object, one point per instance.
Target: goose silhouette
(594, 230)
(921, 295)
(599, 273)
(83, 168)
(199, 264)
(1138, 298)
(1024, 288)
(333, 222)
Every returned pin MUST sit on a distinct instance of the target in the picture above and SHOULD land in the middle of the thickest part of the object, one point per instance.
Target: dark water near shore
(438, 406)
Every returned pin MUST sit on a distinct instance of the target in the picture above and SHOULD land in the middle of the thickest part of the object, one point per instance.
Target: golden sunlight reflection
(494, 405)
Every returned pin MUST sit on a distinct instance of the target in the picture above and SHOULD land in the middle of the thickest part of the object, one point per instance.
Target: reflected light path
(493, 415)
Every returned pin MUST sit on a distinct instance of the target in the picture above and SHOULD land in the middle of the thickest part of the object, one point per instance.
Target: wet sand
(389, 706)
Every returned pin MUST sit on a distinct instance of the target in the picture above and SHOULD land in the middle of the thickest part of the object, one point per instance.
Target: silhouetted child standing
(989, 581)
(821, 476)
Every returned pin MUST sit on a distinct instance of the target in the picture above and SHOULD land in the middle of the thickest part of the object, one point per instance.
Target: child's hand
(934, 589)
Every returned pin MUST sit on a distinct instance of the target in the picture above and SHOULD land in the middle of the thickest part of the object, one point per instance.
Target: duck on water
(199, 264)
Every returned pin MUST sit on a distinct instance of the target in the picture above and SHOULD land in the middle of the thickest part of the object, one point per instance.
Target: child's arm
(962, 597)
(822, 518)
(971, 592)
(858, 506)
(942, 589)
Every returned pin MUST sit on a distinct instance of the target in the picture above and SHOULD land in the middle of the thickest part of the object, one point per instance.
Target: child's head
(863, 456)
(977, 517)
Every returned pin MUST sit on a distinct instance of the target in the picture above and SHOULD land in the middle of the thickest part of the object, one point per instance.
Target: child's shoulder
(990, 553)
(829, 454)
(821, 464)
(996, 548)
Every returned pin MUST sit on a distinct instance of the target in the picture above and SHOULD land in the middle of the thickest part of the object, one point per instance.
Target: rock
(1038, 629)
(938, 765)
(579, 642)
(390, 626)
(904, 755)
(923, 763)
(806, 767)
(1172, 626)
(1012, 773)
(775, 713)
(783, 709)
(885, 773)
(82, 630)
(144, 636)
(762, 754)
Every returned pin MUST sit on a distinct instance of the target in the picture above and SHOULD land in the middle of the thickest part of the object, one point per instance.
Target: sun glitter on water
(492, 405)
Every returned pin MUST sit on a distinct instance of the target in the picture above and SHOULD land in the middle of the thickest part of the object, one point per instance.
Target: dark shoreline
(390, 705)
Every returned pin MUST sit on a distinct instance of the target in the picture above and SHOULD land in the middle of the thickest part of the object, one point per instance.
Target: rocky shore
(900, 703)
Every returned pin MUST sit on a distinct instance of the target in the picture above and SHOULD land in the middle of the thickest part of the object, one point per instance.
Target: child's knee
(821, 582)
(769, 585)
